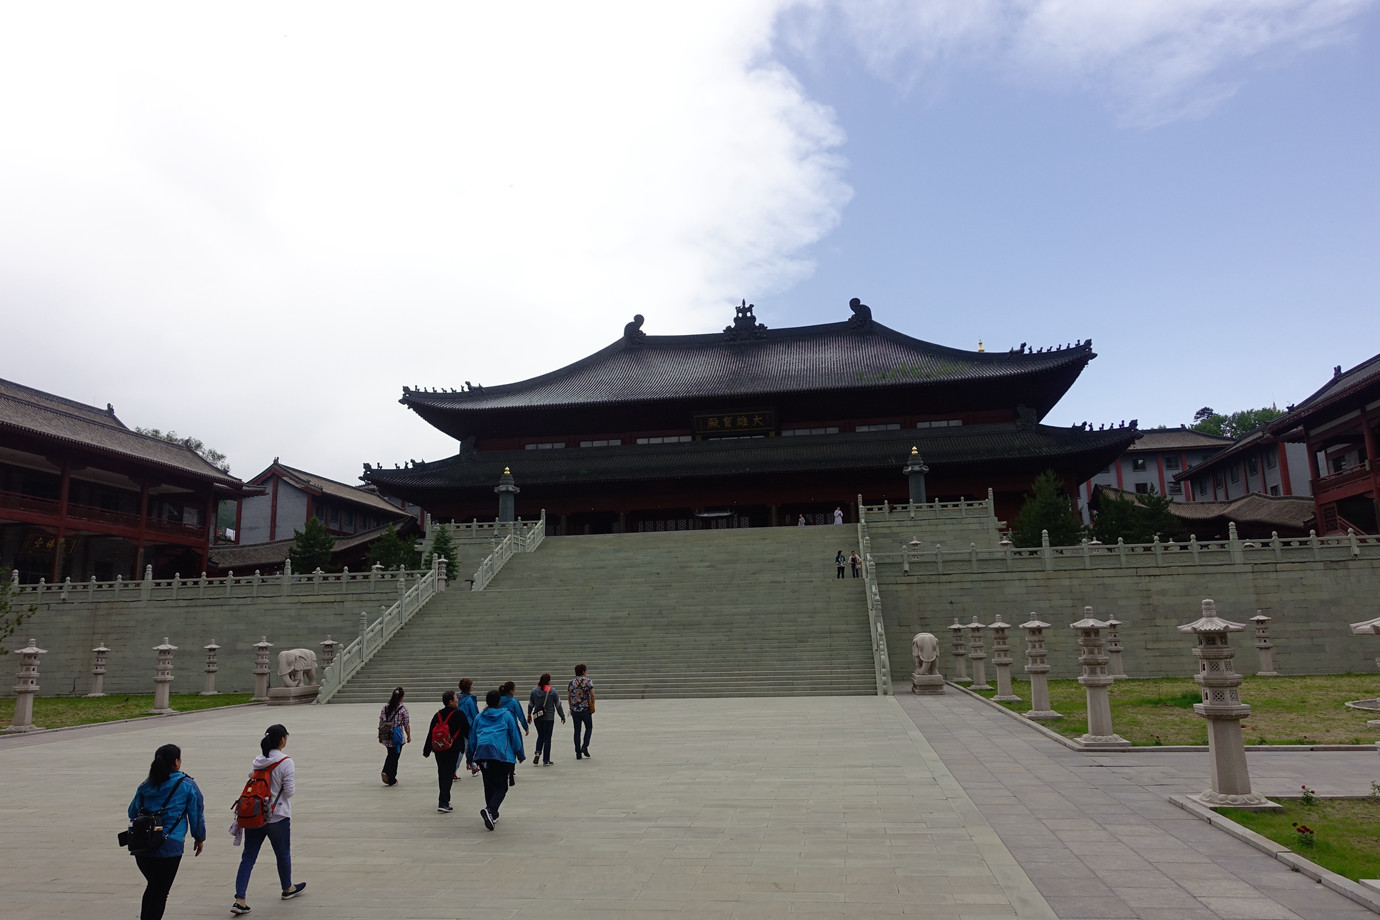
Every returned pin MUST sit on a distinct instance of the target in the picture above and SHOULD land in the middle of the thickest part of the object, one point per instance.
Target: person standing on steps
(543, 705)
(446, 738)
(838, 515)
(801, 522)
(466, 703)
(282, 783)
(174, 796)
(839, 563)
(496, 746)
(395, 730)
(581, 697)
(855, 561)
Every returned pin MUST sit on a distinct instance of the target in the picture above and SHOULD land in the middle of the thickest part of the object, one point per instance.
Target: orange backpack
(253, 806)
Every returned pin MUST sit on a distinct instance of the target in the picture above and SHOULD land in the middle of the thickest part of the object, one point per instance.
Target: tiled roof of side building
(1294, 511)
(730, 457)
(356, 495)
(243, 558)
(1342, 385)
(44, 415)
(1160, 439)
(829, 356)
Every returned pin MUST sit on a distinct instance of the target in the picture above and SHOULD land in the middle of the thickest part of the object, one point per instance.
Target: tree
(1137, 519)
(391, 551)
(311, 548)
(211, 455)
(442, 545)
(1234, 425)
(10, 618)
(1047, 507)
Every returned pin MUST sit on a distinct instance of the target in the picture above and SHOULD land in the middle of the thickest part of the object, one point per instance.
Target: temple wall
(1311, 604)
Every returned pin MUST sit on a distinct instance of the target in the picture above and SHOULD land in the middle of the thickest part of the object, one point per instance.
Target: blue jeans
(279, 834)
(587, 720)
(544, 729)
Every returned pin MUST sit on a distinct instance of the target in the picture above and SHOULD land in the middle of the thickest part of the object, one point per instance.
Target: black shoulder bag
(147, 832)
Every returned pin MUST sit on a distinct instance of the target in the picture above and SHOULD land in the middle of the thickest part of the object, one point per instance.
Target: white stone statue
(297, 667)
(924, 648)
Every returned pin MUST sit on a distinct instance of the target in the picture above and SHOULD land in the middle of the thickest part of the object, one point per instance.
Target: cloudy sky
(254, 223)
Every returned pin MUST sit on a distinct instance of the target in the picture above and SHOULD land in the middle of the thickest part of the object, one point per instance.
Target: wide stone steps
(682, 614)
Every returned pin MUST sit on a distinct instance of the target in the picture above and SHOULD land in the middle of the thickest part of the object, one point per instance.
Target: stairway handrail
(373, 636)
(881, 660)
(523, 541)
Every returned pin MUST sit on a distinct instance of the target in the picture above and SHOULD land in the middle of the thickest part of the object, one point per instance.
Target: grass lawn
(62, 711)
(1346, 832)
(1284, 710)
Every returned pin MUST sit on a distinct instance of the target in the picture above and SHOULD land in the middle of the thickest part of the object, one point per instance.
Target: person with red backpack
(264, 811)
(450, 729)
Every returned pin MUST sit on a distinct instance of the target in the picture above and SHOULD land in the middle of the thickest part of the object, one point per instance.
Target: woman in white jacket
(278, 830)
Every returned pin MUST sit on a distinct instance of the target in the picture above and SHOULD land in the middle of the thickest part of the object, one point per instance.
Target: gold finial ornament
(980, 348)
(913, 451)
(507, 472)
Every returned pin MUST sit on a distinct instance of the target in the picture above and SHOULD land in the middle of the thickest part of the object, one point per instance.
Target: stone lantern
(163, 678)
(1223, 709)
(1001, 657)
(101, 653)
(1115, 670)
(261, 669)
(978, 655)
(507, 491)
(211, 668)
(915, 470)
(1038, 669)
(1095, 681)
(1264, 646)
(25, 688)
(960, 655)
(328, 650)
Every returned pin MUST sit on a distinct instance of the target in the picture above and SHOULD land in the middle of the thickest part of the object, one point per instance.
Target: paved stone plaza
(830, 807)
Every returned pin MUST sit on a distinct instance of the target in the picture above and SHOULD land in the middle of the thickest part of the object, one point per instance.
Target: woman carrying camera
(177, 800)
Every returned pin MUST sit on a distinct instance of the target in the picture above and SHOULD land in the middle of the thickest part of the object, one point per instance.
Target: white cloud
(1154, 60)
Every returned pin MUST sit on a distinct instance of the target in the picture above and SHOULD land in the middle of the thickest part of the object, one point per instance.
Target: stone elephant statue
(924, 648)
(297, 667)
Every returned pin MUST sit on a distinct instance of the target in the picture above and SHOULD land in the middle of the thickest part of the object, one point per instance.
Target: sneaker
(444, 809)
(294, 891)
(237, 908)
(488, 822)
(587, 753)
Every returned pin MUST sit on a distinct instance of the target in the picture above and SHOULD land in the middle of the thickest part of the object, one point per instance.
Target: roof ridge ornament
(862, 315)
(632, 332)
(745, 325)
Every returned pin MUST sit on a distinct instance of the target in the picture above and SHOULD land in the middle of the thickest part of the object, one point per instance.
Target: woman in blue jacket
(496, 745)
(175, 797)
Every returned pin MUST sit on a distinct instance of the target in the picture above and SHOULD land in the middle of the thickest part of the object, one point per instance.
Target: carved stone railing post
(1115, 669)
(146, 589)
(977, 654)
(1038, 669)
(98, 670)
(26, 688)
(440, 574)
(211, 668)
(261, 669)
(1095, 681)
(1264, 646)
(163, 678)
(960, 652)
(1223, 709)
(285, 581)
(1001, 658)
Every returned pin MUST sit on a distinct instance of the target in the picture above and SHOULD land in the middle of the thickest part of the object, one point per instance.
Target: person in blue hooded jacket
(496, 745)
(175, 797)
(467, 704)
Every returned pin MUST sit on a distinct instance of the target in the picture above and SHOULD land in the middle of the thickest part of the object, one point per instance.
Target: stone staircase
(751, 612)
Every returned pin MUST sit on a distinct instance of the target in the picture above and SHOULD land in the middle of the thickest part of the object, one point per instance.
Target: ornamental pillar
(1223, 709)
(163, 678)
(328, 650)
(978, 655)
(1001, 657)
(25, 688)
(1038, 669)
(915, 470)
(507, 497)
(1264, 646)
(1095, 681)
(211, 668)
(960, 654)
(261, 670)
(1115, 669)
(98, 670)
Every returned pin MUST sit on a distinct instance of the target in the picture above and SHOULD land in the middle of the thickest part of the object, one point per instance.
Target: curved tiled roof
(320, 485)
(1343, 384)
(730, 457)
(43, 415)
(1154, 439)
(831, 356)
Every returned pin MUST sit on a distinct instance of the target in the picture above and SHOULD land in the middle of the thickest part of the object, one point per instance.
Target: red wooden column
(1286, 487)
(1372, 461)
(64, 489)
(143, 529)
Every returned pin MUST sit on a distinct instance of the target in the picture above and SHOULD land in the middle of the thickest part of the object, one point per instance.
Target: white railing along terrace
(373, 636)
(288, 584)
(518, 542)
(916, 559)
(881, 660)
(931, 511)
